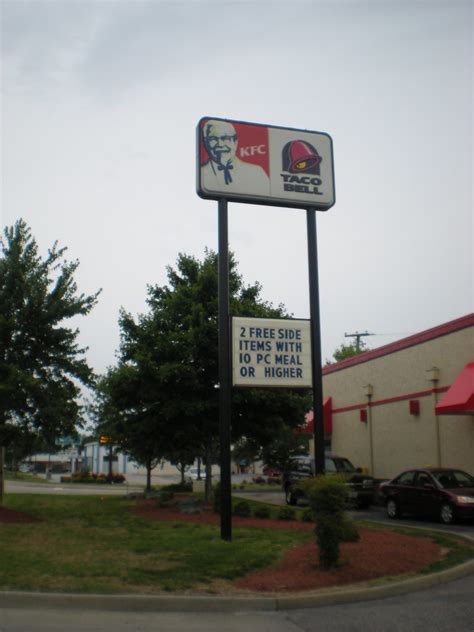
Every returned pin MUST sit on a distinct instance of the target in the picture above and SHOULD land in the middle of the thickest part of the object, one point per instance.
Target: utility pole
(358, 336)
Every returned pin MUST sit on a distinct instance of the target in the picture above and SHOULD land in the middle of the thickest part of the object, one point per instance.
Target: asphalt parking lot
(375, 513)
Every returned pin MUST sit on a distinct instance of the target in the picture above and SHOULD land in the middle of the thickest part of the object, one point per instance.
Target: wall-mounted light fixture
(433, 374)
(369, 391)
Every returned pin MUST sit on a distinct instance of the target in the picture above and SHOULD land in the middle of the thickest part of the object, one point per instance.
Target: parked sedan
(446, 494)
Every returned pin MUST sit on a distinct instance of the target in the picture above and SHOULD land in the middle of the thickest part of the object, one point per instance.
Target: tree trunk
(2, 476)
(148, 476)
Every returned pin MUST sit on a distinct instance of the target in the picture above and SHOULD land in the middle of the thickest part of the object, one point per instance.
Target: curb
(194, 603)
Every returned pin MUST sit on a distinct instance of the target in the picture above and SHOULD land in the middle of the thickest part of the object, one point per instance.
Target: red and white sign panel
(264, 164)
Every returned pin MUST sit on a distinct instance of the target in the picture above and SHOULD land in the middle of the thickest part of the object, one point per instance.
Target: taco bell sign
(264, 164)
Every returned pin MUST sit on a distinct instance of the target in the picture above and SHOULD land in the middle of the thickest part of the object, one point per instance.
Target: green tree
(285, 444)
(22, 443)
(173, 352)
(122, 415)
(41, 365)
(276, 450)
(347, 351)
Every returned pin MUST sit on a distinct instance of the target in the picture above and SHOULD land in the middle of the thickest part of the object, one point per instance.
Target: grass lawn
(94, 544)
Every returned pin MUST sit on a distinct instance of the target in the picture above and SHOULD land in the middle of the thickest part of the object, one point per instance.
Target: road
(134, 483)
(446, 608)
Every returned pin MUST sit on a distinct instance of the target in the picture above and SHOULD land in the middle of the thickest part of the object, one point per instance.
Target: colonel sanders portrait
(224, 171)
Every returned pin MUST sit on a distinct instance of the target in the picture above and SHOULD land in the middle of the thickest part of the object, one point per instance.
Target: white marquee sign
(271, 352)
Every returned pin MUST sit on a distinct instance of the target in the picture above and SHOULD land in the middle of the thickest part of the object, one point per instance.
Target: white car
(193, 474)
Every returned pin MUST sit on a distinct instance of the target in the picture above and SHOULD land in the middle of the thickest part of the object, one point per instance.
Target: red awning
(459, 399)
(327, 416)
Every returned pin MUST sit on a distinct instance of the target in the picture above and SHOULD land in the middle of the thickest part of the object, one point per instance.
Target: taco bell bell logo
(300, 157)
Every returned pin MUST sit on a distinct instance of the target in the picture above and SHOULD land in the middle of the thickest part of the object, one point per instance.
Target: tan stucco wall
(401, 440)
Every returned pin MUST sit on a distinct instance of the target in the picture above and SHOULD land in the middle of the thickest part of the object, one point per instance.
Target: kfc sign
(248, 162)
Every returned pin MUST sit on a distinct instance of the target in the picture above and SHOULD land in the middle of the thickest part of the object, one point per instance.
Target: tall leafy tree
(42, 366)
(130, 420)
(173, 350)
(347, 351)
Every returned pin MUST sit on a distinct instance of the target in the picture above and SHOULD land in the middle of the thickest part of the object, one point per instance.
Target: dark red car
(446, 494)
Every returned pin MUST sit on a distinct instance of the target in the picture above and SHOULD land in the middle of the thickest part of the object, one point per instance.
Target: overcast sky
(100, 102)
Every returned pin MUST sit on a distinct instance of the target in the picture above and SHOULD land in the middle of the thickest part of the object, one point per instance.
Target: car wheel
(290, 499)
(447, 513)
(393, 511)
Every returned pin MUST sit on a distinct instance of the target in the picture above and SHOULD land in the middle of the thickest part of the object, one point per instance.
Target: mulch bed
(379, 553)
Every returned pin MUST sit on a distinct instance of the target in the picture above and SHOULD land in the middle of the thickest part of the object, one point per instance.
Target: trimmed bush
(178, 487)
(328, 497)
(98, 479)
(286, 513)
(242, 509)
(262, 512)
(307, 516)
(274, 480)
(165, 495)
(348, 530)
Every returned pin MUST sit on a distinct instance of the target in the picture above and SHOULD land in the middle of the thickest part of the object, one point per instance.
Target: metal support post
(224, 373)
(315, 342)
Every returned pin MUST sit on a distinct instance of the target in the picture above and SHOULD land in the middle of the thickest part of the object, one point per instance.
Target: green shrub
(262, 512)
(307, 516)
(178, 487)
(98, 479)
(348, 531)
(286, 513)
(242, 509)
(165, 495)
(328, 497)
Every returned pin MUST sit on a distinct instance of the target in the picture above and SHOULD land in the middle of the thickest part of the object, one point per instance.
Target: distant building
(95, 459)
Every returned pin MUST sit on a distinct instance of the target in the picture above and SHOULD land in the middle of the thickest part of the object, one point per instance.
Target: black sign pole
(224, 373)
(315, 341)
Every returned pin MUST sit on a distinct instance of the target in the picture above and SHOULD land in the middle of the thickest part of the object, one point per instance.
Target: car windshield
(337, 464)
(451, 479)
